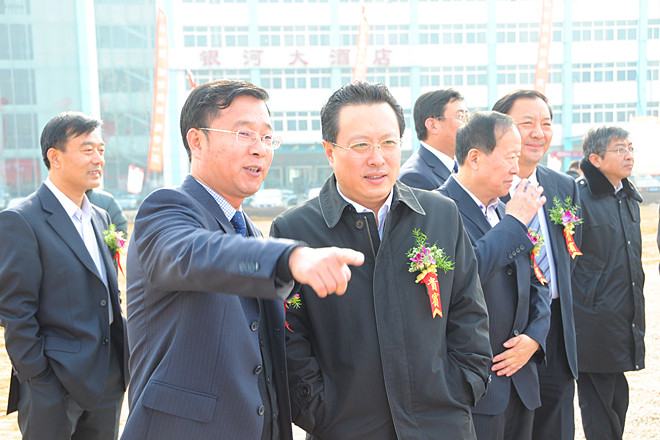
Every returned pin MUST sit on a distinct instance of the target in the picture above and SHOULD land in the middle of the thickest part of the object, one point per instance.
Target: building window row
(125, 80)
(127, 123)
(16, 7)
(391, 77)
(605, 30)
(379, 35)
(605, 72)
(294, 36)
(17, 87)
(295, 78)
(21, 131)
(452, 33)
(296, 121)
(16, 42)
(603, 113)
(125, 37)
(215, 36)
(202, 76)
(452, 76)
(524, 32)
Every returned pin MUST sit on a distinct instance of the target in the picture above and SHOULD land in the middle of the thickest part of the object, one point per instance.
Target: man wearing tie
(487, 151)
(438, 114)
(59, 300)
(533, 116)
(205, 312)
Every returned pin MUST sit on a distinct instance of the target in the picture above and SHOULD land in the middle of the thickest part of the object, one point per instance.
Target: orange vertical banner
(155, 162)
(545, 37)
(360, 70)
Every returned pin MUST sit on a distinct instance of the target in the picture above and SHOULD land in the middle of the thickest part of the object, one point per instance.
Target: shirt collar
(446, 160)
(533, 178)
(226, 208)
(72, 210)
(382, 212)
(491, 205)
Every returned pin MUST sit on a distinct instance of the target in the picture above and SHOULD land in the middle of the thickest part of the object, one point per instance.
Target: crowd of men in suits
(461, 295)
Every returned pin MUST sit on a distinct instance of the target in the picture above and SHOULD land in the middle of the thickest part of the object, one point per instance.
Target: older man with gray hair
(608, 282)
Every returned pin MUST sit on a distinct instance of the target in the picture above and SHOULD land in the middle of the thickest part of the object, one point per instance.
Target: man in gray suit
(59, 301)
(438, 114)
(487, 150)
(205, 293)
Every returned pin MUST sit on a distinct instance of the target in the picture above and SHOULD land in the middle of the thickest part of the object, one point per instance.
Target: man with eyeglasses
(608, 283)
(530, 109)
(205, 292)
(387, 360)
(438, 115)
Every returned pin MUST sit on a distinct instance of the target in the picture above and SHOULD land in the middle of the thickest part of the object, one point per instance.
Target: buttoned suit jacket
(562, 186)
(53, 302)
(192, 321)
(515, 304)
(424, 170)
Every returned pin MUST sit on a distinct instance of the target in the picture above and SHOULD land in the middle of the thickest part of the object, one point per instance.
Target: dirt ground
(643, 420)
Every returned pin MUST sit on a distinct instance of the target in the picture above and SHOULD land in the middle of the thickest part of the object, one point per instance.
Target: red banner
(360, 70)
(433, 288)
(545, 37)
(155, 162)
(570, 244)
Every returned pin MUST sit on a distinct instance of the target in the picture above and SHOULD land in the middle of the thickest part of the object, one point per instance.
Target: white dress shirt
(382, 212)
(82, 221)
(446, 160)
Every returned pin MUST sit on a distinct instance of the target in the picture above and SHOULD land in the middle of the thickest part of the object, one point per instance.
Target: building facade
(98, 56)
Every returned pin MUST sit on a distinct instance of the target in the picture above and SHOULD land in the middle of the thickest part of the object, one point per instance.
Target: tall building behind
(98, 56)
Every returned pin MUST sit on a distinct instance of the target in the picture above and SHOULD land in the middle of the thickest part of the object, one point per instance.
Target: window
(294, 35)
(18, 86)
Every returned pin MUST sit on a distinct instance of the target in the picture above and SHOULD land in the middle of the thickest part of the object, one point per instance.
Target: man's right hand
(325, 270)
(526, 201)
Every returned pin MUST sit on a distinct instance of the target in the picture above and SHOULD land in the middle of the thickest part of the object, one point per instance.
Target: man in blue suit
(438, 114)
(533, 115)
(59, 300)
(205, 312)
(487, 151)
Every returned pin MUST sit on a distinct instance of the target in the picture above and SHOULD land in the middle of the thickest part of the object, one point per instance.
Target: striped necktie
(238, 222)
(542, 257)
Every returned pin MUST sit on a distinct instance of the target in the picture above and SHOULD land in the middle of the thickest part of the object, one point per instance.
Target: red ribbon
(119, 263)
(433, 288)
(286, 323)
(570, 244)
(537, 270)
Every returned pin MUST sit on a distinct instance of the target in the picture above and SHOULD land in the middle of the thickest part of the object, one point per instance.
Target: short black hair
(356, 93)
(63, 127)
(481, 131)
(597, 139)
(206, 100)
(504, 104)
(432, 105)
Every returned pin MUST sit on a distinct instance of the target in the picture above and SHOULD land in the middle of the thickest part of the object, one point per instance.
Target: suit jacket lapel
(199, 193)
(63, 226)
(253, 230)
(467, 206)
(550, 191)
(104, 250)
(434, 163)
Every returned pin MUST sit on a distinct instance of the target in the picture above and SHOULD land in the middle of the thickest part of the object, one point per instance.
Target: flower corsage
(538, 242)
(295, 302)
(428, 259)
(566, 214)
(116, 242)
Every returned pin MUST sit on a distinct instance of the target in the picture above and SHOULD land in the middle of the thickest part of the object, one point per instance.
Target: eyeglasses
(622, 150)
(463, 117)
(387, 146)
(249, 137)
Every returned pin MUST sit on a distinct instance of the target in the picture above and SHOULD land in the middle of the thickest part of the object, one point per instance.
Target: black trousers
(603, 404)
(515, 423)
(555, 418)
(47, 411)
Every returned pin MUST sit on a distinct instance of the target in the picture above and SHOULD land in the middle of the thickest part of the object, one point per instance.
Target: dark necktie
(455, 169)
(238, 222)
(542, 258)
